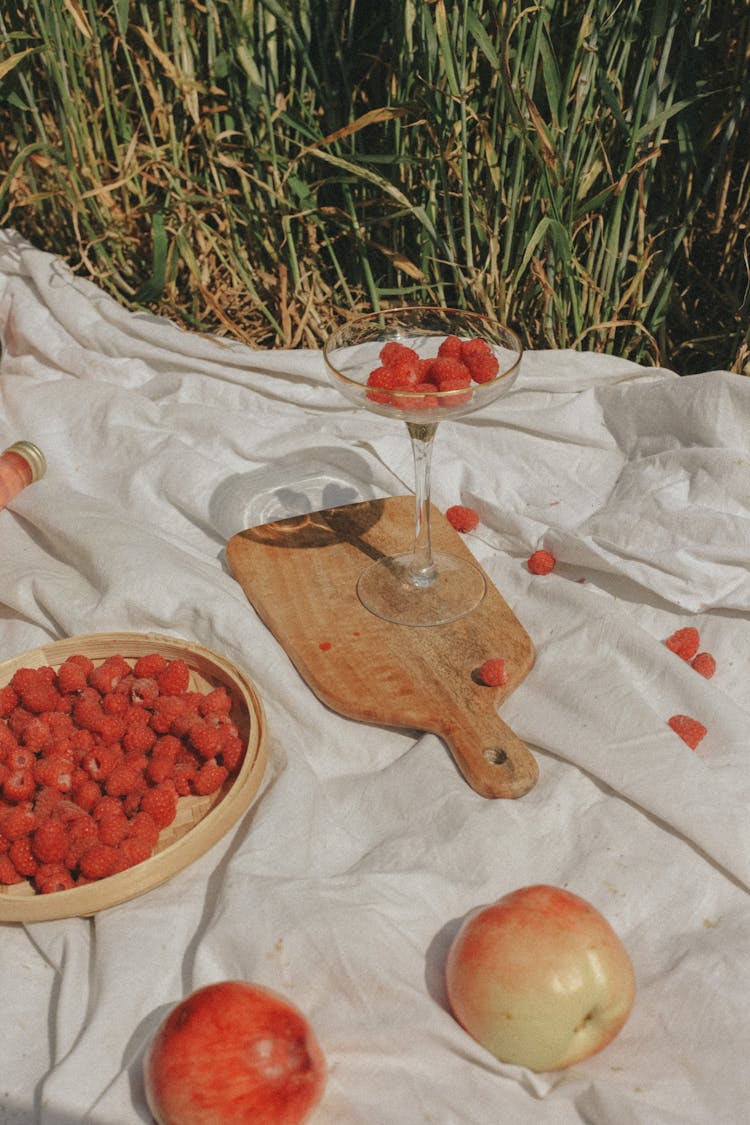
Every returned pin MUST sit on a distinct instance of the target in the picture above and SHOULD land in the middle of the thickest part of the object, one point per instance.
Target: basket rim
(220, 814)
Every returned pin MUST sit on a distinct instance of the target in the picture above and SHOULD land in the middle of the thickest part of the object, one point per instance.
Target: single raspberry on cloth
(704, 664)
(690, 730)
(542, 562)
(462, 517)
(684, 642)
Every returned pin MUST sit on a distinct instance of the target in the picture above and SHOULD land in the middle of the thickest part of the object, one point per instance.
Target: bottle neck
(15, 474)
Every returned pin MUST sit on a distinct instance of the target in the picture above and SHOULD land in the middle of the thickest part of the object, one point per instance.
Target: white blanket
(344, 883)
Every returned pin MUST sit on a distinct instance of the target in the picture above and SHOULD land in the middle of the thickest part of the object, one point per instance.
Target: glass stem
(423, 571)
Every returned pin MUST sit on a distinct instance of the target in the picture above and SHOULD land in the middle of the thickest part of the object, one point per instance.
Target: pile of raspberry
(457, 365)
(93, 760)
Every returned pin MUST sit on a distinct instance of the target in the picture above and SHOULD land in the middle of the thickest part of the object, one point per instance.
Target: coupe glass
(420, 586)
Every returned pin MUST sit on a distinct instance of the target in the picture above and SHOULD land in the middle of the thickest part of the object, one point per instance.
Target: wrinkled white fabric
(344, 883)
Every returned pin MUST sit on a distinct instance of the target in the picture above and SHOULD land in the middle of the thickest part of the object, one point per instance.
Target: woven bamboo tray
(200, 821)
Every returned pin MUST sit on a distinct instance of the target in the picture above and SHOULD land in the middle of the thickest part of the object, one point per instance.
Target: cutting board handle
(490, 756)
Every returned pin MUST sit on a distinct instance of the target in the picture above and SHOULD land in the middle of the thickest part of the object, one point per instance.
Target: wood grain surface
(300, 576)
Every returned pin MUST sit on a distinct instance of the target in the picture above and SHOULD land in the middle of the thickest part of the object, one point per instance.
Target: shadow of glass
(295, 485)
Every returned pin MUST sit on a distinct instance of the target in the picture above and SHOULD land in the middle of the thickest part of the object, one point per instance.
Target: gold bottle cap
(33, 455)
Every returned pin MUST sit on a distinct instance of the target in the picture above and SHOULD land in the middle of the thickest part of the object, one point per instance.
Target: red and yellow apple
(540, 978)
(231, 1053)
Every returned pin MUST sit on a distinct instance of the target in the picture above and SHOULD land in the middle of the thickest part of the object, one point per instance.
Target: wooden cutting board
(300, 576)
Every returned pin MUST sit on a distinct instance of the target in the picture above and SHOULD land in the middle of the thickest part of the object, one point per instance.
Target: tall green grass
(256, 167)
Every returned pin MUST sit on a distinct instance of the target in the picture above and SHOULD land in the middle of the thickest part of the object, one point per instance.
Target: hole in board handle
(496, 756)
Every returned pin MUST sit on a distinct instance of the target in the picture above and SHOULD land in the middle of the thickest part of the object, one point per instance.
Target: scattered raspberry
(704, 664)
(684, 642)
(690, 730)
(541, 562)
(493, 673)
(462, 518)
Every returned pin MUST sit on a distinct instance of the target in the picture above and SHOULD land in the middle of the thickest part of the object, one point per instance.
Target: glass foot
(390, 590)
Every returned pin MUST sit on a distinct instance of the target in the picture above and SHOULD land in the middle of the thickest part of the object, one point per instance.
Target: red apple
(234, 1052)
(540, 978)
